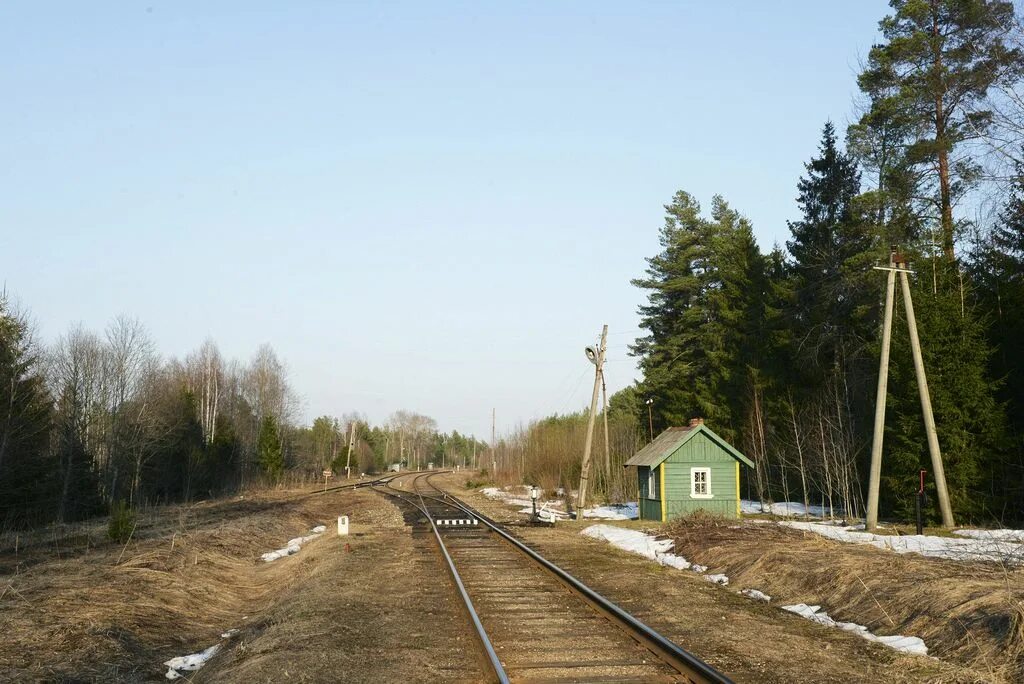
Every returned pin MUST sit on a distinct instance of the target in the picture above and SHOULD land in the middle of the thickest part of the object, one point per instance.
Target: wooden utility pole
(494, 461)
(926, 406)
(598, 360)
(650, 418)
(898, 266)
(351, 446)
(871, 518)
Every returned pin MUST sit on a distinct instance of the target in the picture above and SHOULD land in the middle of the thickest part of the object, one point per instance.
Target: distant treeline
(96, 419)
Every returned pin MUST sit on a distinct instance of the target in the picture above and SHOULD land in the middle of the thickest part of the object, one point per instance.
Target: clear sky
(420, 205)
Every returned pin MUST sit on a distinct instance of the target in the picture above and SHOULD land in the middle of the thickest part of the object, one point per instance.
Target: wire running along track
(546, 624)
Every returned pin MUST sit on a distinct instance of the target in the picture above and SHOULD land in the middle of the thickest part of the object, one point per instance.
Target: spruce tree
(734, 328)
(27, 483)
(970, 421)
(832, 252)
(997, 268)
(676, 280)
(705, 314)
(268, 449)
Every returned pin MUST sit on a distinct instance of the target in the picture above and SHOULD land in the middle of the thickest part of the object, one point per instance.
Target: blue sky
(429, 206)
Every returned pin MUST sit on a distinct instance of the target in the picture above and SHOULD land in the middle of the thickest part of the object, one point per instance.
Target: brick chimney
(694, 422)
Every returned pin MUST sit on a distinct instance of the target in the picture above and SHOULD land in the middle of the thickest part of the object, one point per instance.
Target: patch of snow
(544, 511)
(650, 547)
(674, 561)
(927, 545)
(501, 495)
(790, 508)
(189, 663)
(997, 535)
(552, 509)
(636, 542)
(623, 511)
(906, 644)
(293, 545)
(756, 595)
(228, 634)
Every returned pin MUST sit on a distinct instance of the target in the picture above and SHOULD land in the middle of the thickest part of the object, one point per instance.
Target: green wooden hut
(686, 469)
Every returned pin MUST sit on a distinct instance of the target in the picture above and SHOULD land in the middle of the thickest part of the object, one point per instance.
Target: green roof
(666, 444)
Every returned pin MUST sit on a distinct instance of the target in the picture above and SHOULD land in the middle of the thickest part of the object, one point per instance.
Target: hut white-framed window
(652, 482)
(700, 483)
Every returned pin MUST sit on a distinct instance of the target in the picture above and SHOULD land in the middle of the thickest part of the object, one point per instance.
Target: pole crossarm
(897, 269)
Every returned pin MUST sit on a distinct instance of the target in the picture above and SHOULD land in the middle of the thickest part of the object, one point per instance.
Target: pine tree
(938, 61)
(268, 449)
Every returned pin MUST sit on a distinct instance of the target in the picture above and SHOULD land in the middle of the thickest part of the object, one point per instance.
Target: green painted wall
(650, 509)
(699, 452)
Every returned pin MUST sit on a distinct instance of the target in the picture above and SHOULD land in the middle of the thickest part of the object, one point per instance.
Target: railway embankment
(747, 638)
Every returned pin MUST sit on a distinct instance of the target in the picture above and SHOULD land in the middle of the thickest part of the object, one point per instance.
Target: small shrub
(476, 484)
(122, 522)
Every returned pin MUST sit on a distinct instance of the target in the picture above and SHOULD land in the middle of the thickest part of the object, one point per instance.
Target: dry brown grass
(377, 608)
(969, 613)
(115, 612)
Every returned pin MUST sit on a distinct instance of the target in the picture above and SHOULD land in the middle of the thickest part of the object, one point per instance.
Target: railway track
(534, 621)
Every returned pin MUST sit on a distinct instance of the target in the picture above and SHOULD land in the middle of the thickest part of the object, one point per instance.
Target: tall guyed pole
(896, 266)
(597, 358)
(926, 407)
(871, 521)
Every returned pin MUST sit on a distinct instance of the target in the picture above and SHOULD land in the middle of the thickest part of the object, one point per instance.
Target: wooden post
(351, 446)
(585, 470)
(926, 407)
(871, 521)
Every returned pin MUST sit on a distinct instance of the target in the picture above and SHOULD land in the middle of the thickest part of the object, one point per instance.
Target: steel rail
(353, 485)
(485, 641)
(685, 662)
